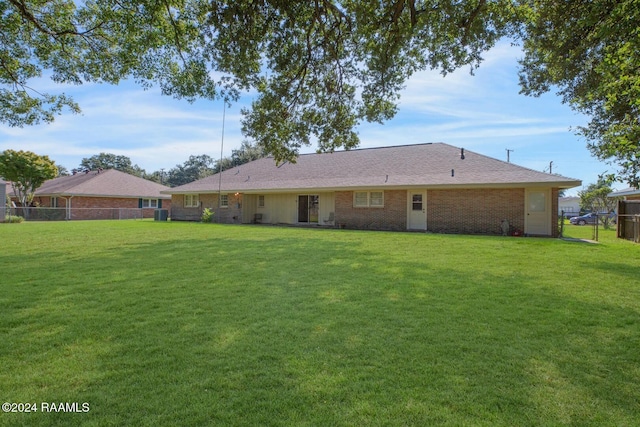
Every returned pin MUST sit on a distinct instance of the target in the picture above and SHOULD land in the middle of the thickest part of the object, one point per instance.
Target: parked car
(591, 218)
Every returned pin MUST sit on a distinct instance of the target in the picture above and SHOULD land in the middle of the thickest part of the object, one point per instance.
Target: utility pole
(508, 155)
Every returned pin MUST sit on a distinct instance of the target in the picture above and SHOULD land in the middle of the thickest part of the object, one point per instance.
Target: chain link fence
(64, 214)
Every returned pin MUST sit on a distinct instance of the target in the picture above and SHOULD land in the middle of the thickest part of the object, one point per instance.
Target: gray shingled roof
(421, 165)
(626, 192)
(107, 183)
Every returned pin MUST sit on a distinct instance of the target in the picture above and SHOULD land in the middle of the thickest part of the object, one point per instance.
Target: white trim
(364, 187)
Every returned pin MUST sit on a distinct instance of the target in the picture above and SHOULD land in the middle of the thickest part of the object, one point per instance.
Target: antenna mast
(224, 110)
(508, 155)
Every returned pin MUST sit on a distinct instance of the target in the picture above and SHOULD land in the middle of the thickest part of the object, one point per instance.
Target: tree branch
(29, 16)
(466, 24)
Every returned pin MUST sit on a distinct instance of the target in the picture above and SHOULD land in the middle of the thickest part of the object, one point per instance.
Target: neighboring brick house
(430, 187)
(103, 194)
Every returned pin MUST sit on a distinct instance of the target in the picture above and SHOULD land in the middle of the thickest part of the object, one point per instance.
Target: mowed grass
(161, 323)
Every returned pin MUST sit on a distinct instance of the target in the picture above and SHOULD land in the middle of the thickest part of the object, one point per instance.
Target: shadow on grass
(621, 271)
(288, 330)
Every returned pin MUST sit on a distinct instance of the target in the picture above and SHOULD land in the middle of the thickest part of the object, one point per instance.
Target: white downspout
(69, 208)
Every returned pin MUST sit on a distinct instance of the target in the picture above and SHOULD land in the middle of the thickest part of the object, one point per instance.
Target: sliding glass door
(308, 208)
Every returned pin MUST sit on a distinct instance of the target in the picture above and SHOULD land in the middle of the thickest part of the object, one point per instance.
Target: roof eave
(108, 196)
(553, 184)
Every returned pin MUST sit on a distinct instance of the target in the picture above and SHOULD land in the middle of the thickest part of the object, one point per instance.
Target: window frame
(191, 200)
(147, 203)
(224, 200)
(381, 199)
(261, 201)
(365, 199)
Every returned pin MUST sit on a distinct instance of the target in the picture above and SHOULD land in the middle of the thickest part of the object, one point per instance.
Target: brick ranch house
(102, 194)
(427, 187)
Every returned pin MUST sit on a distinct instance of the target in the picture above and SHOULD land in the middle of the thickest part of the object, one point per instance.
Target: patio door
(308, 208)
(537, 219)
(417, 210)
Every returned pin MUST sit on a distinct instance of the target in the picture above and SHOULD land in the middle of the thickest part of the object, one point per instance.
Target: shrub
(207, 215)
(13, 218)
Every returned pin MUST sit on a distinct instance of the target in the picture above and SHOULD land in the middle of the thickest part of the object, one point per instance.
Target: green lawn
(161, 323)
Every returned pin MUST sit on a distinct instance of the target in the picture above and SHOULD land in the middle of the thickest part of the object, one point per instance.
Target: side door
(537, 219)
(417, 210)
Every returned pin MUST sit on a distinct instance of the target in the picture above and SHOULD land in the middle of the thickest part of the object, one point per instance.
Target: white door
(417, 210)
(537, 219)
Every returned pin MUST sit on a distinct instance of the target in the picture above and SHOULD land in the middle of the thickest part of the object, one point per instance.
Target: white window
(361, 199)
(191, 200)
(149, 203)
(261, 201)
(376, 199)
(55, 202)
(365, 199)
(224, 200)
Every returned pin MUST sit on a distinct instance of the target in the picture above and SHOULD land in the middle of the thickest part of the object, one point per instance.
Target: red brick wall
(103, 207)
(229, 215)
(475, 211)
(180, 213)
(393, 216)
(467, 211)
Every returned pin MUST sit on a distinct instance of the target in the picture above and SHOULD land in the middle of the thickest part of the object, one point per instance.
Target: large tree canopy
(321, 67)
(26, 171)
(196, 167)
(110, 161)
(589, 51)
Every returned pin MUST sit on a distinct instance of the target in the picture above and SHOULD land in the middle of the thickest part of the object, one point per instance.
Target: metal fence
(629, 220)
(65, 214)
(629, 227)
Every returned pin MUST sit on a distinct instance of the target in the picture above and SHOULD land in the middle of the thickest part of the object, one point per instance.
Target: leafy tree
(322, 67)
(245, 154)
(157, 176)
(63, 171)
(589, 52)
(319, 67)
(111, 161)
(101, 41)
(595, 199)
(196, 167)
(26, 171)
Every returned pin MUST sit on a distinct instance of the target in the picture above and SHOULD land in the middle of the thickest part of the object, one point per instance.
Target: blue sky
(481, 112)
